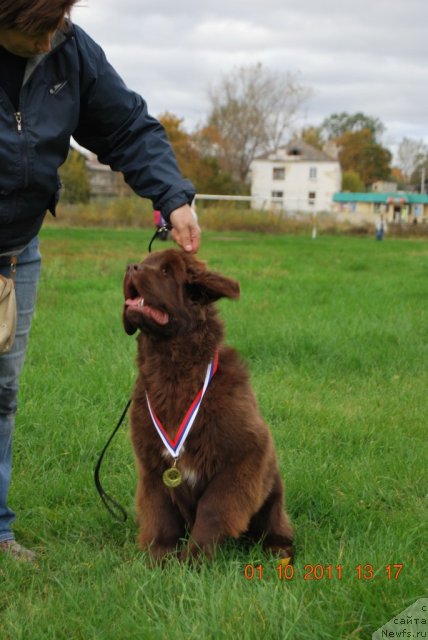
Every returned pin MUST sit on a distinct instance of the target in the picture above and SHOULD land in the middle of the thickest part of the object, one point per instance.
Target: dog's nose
(132, 268)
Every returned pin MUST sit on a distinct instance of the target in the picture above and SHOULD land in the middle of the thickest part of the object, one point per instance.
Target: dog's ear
(208, 286)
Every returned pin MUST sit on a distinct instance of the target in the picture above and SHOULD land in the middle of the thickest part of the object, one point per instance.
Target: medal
(172, 477)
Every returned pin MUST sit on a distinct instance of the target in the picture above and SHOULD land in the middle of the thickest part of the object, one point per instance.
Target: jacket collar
(58, 38)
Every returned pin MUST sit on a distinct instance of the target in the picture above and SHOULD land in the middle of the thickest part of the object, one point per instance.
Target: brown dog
(224, 480)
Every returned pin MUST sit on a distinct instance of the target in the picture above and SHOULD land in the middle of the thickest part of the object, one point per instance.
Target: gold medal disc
(172, 477)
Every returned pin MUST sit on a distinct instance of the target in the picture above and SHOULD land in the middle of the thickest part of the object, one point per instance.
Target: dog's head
(167, 293)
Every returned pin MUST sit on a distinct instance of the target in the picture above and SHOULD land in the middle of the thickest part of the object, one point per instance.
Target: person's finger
(186, 231)
(188, 239)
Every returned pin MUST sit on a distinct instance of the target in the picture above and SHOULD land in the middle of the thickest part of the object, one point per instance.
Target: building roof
(386, 198)
(300, 149)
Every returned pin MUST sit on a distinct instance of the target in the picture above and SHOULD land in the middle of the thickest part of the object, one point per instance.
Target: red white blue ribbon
(174, 446)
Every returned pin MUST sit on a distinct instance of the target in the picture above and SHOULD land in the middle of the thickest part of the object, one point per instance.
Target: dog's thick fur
(231, 484)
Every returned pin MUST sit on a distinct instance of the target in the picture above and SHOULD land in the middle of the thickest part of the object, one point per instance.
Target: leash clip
(161, 232)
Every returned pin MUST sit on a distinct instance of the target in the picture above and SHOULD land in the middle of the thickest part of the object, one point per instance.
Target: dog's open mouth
(138, 304)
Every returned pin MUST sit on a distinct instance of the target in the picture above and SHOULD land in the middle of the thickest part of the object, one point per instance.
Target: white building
(297, 179)
(104, 182)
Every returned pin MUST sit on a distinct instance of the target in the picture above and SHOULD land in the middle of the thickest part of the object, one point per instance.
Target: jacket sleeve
(115, 125)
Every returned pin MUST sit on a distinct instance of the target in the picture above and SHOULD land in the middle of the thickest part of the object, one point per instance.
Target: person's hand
(185, 228)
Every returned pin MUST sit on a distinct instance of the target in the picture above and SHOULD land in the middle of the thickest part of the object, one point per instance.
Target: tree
(201, 168)
(399, 178)
(313, 136)
(75, 179)
(419, 177)
(252, 111)
(338, 124)
(411, 155)
(185, 151)
(360, 152)
(351, 181)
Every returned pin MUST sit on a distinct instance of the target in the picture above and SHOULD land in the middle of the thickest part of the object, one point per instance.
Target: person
(56, 83)
(380, 227)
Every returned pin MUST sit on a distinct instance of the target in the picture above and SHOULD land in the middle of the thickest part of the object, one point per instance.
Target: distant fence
(279, 204)
(206, 196)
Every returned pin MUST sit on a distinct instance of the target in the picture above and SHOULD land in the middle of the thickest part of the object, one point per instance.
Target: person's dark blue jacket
(74, 91)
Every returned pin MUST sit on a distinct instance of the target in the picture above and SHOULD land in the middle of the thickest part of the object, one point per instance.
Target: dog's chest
(163, 430)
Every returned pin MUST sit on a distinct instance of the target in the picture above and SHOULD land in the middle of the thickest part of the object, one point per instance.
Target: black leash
(161, 232)
(110, 503)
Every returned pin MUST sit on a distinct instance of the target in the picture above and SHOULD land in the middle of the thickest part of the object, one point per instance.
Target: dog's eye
(165, 271)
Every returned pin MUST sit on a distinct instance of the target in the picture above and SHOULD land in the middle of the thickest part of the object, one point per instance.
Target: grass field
(334, 331)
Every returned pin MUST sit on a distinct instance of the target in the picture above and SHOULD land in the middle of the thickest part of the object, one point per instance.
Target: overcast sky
(355, 55)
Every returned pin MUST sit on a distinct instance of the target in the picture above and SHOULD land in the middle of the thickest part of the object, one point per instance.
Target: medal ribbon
(174, 446)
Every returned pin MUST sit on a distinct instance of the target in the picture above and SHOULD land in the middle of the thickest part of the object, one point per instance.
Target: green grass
(335, 334)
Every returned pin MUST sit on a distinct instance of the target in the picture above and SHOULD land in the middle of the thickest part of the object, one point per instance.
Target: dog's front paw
(195, 554)
(159, 554)
(158, 551)
(285, 555)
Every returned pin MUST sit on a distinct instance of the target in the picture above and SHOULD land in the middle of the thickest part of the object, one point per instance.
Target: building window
(278, 173)
(277, 203)
(311, 197)
(312, 173)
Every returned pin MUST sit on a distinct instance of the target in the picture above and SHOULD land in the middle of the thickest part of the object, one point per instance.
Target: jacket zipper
(23, 144)
(18, 114)
(18, 120)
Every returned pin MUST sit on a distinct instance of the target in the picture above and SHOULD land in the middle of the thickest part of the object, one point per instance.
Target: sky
(359, 55)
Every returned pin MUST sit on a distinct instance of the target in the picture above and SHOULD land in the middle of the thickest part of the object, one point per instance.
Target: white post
(314, 228)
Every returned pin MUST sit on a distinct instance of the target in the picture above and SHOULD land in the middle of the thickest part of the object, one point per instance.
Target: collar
(59, 37)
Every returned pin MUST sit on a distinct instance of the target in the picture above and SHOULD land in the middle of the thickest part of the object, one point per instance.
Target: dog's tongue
(155, 314)
(134, 302)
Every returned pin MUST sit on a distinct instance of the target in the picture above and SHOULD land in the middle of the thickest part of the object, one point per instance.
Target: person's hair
(34, 16)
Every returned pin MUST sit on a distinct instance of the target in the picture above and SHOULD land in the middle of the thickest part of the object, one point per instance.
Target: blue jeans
(26, 279)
